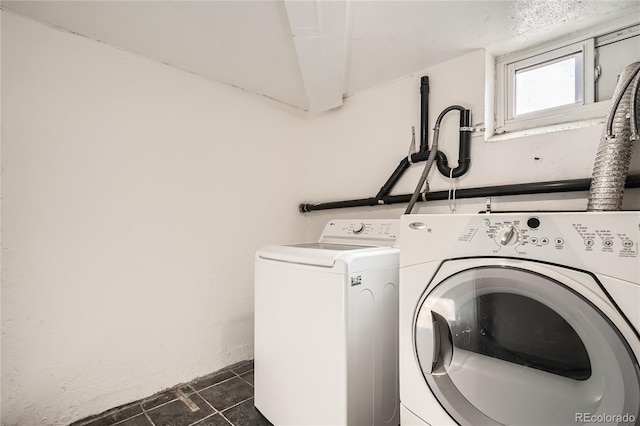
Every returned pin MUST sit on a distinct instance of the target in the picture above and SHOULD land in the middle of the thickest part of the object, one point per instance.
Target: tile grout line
(221, 412)
(209, 416)
(215, 410)
(128, 418)
(235, 405)
(144, 411)
(243, 379)
(147, 416)
(204, 418)
(225, 417)
(158, 406)
(228, 408)
(215, 384)
(186, 400)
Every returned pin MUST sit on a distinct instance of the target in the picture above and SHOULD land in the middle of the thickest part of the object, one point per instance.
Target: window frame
(507, 65)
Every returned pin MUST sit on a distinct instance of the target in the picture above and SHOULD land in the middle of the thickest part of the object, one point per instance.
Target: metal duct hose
(616, 144)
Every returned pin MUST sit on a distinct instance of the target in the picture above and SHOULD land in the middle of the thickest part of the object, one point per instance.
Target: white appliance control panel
(618, 238)
(605, 242)
(379, 232)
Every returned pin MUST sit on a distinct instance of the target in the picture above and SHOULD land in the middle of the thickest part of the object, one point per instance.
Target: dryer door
(505, 344)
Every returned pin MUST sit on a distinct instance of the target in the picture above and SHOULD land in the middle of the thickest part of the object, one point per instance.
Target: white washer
(326, 327)
(520, 319)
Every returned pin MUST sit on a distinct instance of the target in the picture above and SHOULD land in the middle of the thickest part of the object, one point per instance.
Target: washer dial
(357, 229)
(508, 236)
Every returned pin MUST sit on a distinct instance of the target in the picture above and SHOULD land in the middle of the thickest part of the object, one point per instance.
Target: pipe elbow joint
(443, 166)
(462, 169)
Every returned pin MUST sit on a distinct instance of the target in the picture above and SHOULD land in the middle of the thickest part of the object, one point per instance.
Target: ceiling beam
(320, 35)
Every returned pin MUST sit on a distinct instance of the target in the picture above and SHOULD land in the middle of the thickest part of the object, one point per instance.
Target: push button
(533, 222)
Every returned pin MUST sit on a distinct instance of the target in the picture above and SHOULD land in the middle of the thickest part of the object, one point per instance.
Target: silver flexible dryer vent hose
(616, 144)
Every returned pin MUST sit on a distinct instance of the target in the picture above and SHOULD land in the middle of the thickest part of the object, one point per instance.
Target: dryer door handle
(434, 346)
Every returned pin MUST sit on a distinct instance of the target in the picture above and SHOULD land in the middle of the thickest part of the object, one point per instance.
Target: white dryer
(326, 327)
(520, 319)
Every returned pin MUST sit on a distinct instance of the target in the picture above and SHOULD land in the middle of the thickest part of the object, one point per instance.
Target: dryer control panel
(605, 242)
(545, 233)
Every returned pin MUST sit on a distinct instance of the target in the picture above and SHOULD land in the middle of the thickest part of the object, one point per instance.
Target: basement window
(563, 82)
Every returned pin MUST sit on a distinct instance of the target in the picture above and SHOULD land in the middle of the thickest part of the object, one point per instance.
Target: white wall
(134, 197)
(354, 149)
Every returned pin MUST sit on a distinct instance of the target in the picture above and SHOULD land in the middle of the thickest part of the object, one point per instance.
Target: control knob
(508, 236)
(357, 229)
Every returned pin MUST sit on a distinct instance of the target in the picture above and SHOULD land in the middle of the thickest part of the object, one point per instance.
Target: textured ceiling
(309, 54)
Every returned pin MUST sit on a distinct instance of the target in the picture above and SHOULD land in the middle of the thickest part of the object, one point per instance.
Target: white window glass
(547, 86)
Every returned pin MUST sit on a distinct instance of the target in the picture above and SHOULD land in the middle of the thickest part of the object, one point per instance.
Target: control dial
(508, 236)
(357, 229)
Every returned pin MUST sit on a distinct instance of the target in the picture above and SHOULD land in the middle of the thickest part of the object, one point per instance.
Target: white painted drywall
(134, 198)
(354, 149)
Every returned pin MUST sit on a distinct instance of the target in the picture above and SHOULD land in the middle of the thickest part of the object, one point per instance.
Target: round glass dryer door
(505, 345)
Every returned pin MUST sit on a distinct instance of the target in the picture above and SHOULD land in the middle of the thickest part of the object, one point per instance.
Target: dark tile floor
(220, 399)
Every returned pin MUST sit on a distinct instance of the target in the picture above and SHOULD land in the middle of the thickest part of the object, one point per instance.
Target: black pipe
(464, 148)
(422, 154)
(399, 171)
(549, 187)
(441, 159)
(424, 114)
(464, 157)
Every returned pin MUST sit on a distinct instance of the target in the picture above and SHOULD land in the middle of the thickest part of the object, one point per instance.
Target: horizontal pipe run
(491, 191)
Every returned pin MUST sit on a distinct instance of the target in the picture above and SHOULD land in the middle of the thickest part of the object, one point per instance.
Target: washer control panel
(366, 231)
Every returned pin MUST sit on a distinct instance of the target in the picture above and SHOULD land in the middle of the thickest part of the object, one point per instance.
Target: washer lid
(327, 246)
(313, 254)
